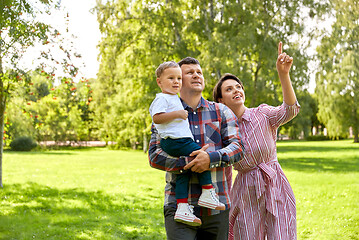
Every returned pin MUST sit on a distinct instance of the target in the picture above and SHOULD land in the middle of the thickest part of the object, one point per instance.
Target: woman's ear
(220, 100)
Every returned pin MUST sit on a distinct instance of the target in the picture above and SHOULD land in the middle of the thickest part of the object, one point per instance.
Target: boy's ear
(158, 80)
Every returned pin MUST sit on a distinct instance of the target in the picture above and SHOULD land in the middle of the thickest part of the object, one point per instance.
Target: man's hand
(201, 161)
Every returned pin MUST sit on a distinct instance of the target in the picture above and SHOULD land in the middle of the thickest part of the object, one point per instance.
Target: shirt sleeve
(159, 105)
(280, 115)
(159, 159)
(232, 150)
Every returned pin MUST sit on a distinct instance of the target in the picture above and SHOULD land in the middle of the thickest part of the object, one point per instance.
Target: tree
(306, 119)
(51, 112)
(19, 30)
(338, 75)
(226, 36)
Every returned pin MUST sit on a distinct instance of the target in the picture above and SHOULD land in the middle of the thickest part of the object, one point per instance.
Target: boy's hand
(284, 61)
(182, 114)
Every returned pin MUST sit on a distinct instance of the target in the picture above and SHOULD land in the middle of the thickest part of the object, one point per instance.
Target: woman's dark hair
(188, 60)
(217, 91)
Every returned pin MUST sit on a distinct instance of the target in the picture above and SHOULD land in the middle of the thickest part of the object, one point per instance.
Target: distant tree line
(239, 37)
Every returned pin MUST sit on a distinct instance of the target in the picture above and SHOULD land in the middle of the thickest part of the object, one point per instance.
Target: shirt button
(194, 113)
(197, 140)
(195, 126)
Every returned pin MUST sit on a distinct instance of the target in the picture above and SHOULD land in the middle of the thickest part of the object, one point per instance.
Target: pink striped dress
(263, 203)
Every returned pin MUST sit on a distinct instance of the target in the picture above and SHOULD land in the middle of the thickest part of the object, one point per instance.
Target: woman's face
(232, 94)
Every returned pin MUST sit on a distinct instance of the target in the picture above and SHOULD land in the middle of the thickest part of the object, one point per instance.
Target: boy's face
(170, 80)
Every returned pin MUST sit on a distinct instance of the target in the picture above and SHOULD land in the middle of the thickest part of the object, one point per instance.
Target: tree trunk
(355, 126)
(355, 116)
(255, 80)
(1, 144)
(2, 112)
(145, 141)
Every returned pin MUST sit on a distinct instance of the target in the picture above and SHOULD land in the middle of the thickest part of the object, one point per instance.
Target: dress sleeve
(280, 115)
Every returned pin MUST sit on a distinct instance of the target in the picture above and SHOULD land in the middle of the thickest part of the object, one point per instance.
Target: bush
(322, 138)
(23, 144)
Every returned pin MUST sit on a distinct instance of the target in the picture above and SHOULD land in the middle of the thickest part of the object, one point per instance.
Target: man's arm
(160, 159)
(232, 150)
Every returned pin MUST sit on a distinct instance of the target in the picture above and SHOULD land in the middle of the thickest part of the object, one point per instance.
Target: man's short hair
(188, 60)
(164, 66)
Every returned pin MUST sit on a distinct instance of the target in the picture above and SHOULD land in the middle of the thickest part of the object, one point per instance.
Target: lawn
(97, 193)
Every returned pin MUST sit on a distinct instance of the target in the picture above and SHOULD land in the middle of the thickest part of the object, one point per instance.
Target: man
(215, 129)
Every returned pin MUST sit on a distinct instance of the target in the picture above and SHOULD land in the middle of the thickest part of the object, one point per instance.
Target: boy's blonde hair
(164, 66)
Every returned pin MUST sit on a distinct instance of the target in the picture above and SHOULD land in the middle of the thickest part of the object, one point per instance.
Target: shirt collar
(202, 103)
(247, 114)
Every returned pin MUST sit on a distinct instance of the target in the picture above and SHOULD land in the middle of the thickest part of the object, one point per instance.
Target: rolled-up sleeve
(159, 159)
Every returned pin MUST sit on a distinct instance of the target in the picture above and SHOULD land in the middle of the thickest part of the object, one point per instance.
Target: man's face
(192, 78)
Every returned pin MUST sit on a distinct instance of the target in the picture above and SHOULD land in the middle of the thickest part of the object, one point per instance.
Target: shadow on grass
(39, 153)
(304, 148)
(315, 164)
(50, 151)
(36, 211)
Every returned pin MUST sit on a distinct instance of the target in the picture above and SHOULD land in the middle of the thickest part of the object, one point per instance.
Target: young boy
(171, 122)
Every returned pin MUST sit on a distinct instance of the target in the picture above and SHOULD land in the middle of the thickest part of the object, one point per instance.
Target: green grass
(103, 194)
(81, 194)
(325, 180)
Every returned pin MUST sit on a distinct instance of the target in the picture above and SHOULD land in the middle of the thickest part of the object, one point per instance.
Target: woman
(263, 203)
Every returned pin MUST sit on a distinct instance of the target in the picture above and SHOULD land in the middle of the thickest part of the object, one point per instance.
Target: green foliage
(47, 112)
(317, 138)
(338, 75)
(20, 29)
(306, 118)
(237, 37)
(23, 143)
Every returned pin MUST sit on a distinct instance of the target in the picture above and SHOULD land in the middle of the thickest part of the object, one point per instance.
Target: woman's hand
(284, 61)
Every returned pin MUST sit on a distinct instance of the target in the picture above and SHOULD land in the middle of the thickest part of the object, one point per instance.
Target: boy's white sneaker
(210, 199)
(184, 214)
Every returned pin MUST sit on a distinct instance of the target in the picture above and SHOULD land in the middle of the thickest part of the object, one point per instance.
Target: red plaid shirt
(214, 124)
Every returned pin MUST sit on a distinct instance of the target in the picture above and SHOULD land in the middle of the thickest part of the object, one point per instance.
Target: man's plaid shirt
(211, 123)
